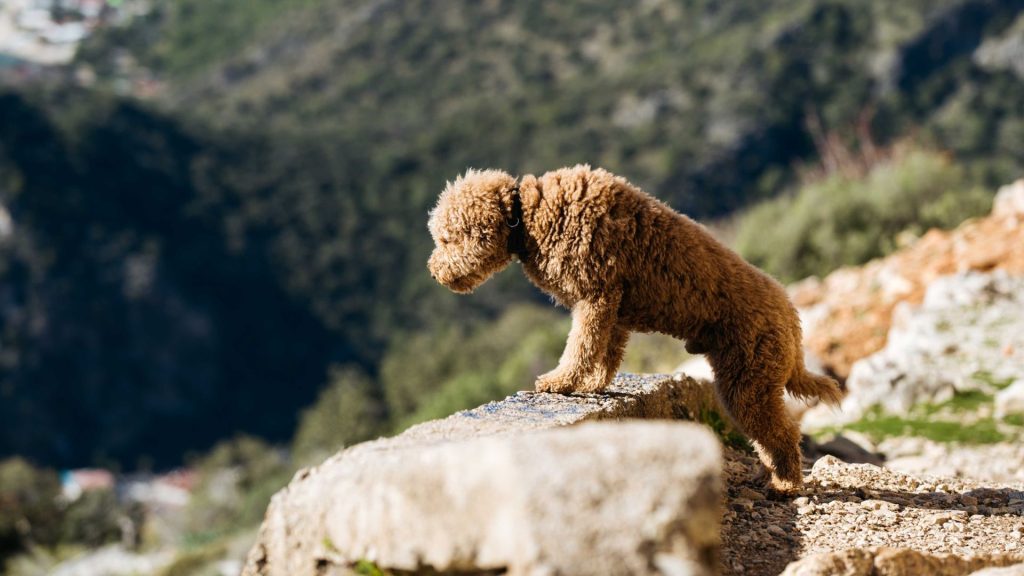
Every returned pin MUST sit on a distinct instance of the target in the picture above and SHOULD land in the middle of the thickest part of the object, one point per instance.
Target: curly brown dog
(623, 261)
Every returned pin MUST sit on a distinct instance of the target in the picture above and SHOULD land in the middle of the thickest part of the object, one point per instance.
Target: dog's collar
(517, 228)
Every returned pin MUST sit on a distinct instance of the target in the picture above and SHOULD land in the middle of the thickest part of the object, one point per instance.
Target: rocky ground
(862, 506)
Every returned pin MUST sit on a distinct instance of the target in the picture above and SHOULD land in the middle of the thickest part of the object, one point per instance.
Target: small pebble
(741, 504)
(751, 494)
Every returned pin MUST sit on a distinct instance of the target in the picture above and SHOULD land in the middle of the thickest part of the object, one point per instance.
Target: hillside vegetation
(848, 220)
(703, 103)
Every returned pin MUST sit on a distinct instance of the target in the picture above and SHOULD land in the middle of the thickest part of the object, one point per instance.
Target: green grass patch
(1014, 419)
(961, 402)
(724, 430)
(367, 568)
(329, 545)
(988, 378)
(878, 425)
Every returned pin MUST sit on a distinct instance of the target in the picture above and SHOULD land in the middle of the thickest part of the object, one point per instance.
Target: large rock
(967, 335)
(490, 489)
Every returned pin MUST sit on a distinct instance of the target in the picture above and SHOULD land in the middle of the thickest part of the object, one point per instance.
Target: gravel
(861, 505)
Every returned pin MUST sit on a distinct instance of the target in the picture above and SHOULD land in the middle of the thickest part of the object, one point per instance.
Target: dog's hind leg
(585, 366)
(752, 396)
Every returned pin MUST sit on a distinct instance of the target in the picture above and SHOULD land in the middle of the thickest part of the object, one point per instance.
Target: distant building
(74, 483)
(170, 490)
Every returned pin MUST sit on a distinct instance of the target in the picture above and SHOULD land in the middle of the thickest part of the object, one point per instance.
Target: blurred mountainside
(183, 268)
(705, 104)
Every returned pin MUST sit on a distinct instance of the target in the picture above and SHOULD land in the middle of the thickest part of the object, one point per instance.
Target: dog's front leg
(583, 365)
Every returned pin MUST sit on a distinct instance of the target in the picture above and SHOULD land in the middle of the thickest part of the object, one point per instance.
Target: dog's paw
(594, 383)
(782, 488)
(555, 382)
(558, 382)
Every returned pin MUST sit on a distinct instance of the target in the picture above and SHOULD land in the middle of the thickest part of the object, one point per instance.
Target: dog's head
(469, 229)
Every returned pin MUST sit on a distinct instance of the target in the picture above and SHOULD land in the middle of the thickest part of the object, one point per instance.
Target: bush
(28, 501)
(237, 479)
(842, 220)
(96, 518)
(39, 529)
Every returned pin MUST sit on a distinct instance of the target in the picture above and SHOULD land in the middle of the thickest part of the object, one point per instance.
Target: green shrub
(95, 519)
(29, 511)
(237, 479)
(847, 221)
(878, 426)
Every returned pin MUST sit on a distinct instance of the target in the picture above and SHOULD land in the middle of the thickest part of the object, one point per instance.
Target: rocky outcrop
(945, 396)
(495, 489)
(967, 336)
(848, 314)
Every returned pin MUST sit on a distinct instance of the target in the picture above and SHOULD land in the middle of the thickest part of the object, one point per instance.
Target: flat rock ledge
(506, 488)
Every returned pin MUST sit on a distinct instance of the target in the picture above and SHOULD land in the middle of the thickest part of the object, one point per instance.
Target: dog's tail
(806, 384)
